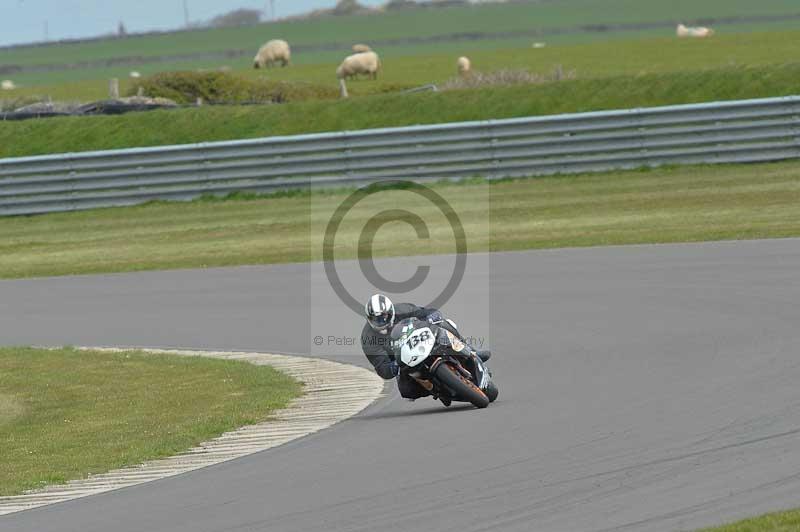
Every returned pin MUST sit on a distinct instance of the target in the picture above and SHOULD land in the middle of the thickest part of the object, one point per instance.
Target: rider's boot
(483, 354)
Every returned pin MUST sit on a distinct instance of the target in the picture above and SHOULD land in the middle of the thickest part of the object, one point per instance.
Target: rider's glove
(435, 317)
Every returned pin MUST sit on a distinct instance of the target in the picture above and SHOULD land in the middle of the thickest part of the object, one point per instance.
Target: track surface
(642, 388)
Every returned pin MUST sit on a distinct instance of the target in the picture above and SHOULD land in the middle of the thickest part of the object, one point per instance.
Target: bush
(347, 7)
(238, 17)
(227, 88)
(400, 4)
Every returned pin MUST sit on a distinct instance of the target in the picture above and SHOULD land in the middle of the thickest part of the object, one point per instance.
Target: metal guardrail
(722, 132)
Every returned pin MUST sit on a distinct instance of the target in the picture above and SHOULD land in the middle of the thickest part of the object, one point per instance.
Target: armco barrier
(722, 132)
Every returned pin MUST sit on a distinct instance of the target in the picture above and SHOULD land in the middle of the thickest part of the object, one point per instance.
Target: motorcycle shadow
(426, 411)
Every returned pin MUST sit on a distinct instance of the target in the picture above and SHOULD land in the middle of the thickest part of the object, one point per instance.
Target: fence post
(113, 88)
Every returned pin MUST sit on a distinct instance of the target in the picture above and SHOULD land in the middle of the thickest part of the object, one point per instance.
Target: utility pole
(186, 13)
(272, 9)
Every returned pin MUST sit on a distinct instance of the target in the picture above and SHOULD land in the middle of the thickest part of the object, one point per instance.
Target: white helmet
(379, 311)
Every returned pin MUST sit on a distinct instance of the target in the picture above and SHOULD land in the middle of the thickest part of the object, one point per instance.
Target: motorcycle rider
(381, 316)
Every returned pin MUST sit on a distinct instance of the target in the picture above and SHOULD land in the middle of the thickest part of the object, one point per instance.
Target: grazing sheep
(364, 63)
(7, 85)
(361, 48)
(464, 66)
(134, 74)
(699, 32)
(275, 51)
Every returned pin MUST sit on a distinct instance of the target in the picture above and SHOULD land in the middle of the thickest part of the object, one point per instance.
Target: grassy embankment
(65, 414)
(665, 205)
(56, 135)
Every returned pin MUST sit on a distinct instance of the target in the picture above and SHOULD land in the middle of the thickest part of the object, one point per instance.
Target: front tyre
(491, 392)
(462, 387)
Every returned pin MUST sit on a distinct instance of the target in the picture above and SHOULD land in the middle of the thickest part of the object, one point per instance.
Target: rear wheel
(462, 387)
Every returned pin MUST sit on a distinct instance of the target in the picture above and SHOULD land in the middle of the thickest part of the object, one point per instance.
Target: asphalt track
(642, 388)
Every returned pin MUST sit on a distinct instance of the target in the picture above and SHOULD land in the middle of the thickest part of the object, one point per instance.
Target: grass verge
(67, 413)
(679, 204)
(56, 135)
(775, 522)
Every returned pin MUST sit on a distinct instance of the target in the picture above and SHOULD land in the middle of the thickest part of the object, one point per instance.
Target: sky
(23, 21)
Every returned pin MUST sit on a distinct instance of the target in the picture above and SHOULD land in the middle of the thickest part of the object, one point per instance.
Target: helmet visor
(381, 321)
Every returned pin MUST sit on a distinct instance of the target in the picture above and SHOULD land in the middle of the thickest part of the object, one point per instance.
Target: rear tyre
(462, 387)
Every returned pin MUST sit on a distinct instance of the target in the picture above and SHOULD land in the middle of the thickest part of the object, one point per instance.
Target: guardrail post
(207, 169)
(796, 126)
(640, 126)
(72, 196)
(495, 163)
(347, 170)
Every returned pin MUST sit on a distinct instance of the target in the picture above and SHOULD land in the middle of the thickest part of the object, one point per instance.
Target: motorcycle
(442, 363)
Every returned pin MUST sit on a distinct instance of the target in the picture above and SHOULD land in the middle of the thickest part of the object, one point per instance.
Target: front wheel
(462, 387)
(491, 392)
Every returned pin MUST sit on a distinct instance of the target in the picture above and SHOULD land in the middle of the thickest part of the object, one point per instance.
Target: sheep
(361, 48)
(364, 63)
(134, 74)
(464, 66)
(274, 51)
(699, 32)
(7, 85)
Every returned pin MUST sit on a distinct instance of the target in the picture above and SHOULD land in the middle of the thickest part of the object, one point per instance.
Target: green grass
(775, 522)
(55, 135)
(65, 413)
(666, 205)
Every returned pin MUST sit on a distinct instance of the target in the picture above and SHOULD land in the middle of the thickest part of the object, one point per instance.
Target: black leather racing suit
(378, 349)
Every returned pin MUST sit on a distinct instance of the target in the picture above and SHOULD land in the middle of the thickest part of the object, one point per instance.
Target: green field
(400, 34)
(631, 56)
(666, 205)
(65, 413)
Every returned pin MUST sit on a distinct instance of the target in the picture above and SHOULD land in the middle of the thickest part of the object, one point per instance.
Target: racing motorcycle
(442, 363)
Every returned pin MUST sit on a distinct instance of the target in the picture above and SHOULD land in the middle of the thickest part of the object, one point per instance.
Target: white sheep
(7, 85)
(699, 32)
(363, 63)
(134, 74)
(274, 51)
(361, 48)
(464, 66)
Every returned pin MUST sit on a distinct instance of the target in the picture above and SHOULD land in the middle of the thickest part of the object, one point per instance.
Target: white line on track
(333, 392)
